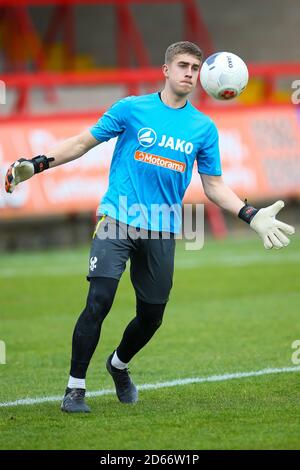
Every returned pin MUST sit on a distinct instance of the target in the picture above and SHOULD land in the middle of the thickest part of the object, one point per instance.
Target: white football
(224, 75)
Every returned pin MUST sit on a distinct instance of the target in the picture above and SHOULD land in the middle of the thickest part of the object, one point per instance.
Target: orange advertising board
(74, 187)
(260, 151)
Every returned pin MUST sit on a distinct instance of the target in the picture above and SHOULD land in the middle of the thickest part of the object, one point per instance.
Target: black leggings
(88, 327)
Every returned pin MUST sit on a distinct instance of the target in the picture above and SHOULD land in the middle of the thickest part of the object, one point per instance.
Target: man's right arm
(72, 148)
(66, 151)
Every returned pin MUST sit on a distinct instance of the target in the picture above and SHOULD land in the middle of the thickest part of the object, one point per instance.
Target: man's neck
(171, 100)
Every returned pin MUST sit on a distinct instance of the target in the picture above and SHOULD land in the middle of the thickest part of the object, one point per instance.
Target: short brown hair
(183, 47)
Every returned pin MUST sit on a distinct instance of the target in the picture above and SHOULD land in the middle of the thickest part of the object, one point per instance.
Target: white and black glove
(23, 169)
(272, 231)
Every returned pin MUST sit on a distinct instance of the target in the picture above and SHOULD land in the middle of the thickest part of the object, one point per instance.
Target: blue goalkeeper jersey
(153, 159)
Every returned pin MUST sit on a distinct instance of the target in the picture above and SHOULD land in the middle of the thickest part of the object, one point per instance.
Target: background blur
(62, 63)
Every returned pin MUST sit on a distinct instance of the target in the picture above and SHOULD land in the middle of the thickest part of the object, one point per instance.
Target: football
(224, 75)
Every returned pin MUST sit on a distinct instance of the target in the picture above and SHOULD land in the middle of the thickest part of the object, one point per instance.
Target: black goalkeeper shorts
(151, 258)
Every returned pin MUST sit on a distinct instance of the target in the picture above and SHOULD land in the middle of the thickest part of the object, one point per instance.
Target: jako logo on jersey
(178, 144)
(147, 137)
(160, 161)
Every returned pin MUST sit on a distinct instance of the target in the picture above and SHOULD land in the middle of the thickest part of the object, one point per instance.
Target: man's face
(182, 73)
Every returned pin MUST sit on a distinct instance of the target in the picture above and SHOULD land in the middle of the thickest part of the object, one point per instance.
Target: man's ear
(165, 70)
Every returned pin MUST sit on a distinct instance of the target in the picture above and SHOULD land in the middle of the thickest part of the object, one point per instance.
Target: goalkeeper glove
(23, 169)
(263, 221)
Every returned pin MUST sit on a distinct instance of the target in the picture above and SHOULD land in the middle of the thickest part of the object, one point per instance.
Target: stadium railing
(132, 81)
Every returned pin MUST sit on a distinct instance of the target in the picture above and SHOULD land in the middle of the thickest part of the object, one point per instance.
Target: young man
(160, 136)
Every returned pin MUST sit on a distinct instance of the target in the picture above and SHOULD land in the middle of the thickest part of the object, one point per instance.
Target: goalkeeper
(160, 136)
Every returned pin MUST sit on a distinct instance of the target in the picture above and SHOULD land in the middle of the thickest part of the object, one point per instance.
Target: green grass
(234, 308)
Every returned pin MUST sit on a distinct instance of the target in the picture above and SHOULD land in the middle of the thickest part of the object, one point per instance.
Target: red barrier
(132, 80)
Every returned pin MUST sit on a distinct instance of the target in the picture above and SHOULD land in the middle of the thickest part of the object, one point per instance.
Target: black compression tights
(140, 330)
(88, 327)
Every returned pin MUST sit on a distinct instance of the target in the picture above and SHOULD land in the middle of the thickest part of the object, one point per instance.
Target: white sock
(115, 362)
(76, 383)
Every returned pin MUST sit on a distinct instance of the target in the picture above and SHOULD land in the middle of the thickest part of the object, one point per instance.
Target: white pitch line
(172, 383)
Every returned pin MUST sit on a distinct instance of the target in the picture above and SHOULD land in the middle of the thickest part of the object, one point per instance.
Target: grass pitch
(234, 308)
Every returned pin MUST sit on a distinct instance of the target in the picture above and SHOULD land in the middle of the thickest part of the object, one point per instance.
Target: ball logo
(147, 137)
(227, 94)
(211, 60)
(229, 60)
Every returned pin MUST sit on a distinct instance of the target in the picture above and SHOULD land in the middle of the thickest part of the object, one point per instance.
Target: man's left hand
(272, 231)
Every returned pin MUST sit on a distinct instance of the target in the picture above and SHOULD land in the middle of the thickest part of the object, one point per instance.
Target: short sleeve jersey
(153, 159)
